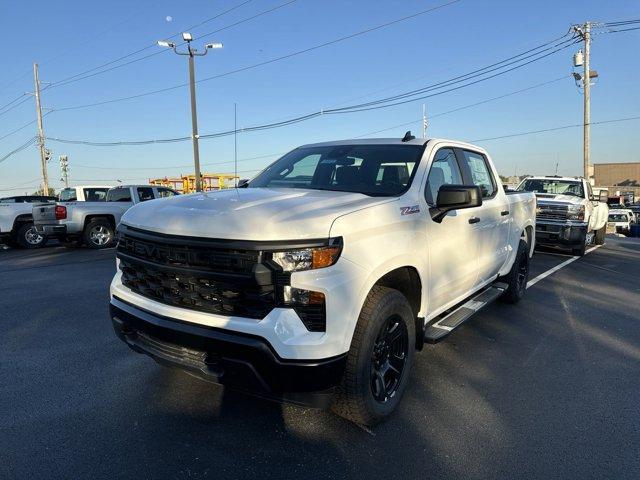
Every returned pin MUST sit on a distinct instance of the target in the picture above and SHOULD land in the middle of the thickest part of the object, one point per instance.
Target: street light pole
(194, 121)
(192, 53)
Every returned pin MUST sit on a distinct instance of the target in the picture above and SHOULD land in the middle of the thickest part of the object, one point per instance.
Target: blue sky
(69, 37)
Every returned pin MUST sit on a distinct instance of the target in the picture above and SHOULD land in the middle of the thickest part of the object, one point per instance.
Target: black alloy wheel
(389, 358)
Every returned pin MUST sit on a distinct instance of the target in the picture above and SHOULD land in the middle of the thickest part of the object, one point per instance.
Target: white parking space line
(553, 270)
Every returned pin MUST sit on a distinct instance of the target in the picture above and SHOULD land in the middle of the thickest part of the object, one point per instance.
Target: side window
(145, 193)
(119, 195)
(95, 194)
(589, 191)
(165, 192)
(480, 173)
(444, 171)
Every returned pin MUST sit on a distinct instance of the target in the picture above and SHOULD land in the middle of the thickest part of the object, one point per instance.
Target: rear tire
(99, 233)
(27, 237)
(600, 235)
(379, 360)
(518, 276)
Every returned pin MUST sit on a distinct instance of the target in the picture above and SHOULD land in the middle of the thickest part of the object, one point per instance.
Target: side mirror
(455, 197)
(244, 183)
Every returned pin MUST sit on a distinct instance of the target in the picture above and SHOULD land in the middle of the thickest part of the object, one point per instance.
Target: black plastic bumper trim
(237, 360)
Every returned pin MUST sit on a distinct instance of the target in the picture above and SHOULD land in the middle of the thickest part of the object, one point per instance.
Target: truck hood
(249, 213)
(549, 198)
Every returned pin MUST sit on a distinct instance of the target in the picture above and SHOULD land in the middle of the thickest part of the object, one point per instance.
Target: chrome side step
(448, 322)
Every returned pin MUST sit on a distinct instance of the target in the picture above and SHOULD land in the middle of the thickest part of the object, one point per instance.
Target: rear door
(452, 243)
(493, 216)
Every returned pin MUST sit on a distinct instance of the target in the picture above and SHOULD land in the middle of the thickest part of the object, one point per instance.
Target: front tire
(379, 360)
(99, 233)
(518, 276)
(27, 237)
(581, 249)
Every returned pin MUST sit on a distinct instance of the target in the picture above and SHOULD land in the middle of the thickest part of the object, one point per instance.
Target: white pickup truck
(568, 213)
(92, 223)
(317, 282)
(16, 222)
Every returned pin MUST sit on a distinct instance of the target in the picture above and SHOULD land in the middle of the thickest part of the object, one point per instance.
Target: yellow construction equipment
(187, 183)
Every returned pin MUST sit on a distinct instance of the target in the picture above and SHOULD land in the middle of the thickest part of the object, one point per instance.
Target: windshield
(618, 217)
(552, 186)
(376, 170)
(68, 195)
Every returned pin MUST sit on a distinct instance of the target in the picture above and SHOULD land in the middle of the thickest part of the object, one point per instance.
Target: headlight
(575, 212)
(307, 258)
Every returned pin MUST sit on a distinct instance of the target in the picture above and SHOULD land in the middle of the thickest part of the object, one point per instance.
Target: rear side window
(119, 195)
(444, 171)
(166, 192)
(145, 193)
(95, 194)
(480, 173)
(68, 195)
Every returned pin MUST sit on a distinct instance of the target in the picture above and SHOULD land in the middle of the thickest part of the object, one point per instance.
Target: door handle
(504, 212)
(474, 220)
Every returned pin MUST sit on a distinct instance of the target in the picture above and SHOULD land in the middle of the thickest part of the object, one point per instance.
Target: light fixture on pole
(191, 53)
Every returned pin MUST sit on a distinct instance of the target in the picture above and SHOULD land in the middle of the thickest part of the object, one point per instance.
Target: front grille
(198, 290)
(552, 212)
(189, 274)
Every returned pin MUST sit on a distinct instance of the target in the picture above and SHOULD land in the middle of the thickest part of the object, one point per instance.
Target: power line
(89, 75)
(260, 64)
(377, 104)
(13, 101)
(27, 144)
(558, 42)
(564, 127)
(464, 107)
(66, 80)
(19, 186)
(166, 167)
(15, 105)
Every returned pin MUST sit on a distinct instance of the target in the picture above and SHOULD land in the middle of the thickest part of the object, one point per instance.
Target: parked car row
(85, 214)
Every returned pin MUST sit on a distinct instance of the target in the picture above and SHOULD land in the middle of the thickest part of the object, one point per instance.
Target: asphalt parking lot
(548, 388)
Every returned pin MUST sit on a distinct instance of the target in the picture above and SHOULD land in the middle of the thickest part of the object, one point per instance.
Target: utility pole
(585, 33)
(43, 150)
(235, 144)
(64, 168)
(587, 98)
(192, 53)
(425, 123)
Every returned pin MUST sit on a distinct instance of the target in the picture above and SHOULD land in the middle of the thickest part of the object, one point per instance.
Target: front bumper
(237, 360)
(560, 233)
(51, 230)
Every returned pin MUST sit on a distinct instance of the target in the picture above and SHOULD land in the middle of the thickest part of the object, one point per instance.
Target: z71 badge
(409, 210)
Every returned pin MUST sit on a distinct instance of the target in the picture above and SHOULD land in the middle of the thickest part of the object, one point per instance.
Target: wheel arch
(89, 218)
(406, 279)
(20, 220)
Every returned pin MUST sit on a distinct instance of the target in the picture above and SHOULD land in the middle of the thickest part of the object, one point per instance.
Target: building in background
(621, 179)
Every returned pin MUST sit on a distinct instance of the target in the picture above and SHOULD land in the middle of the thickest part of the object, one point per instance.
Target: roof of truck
(554, 177)
(87, 186)
(388, 141)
